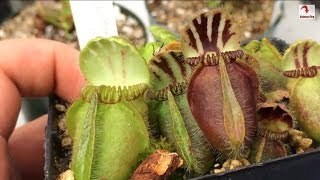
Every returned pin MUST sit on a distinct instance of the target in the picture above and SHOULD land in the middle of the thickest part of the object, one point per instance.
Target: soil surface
(29, 23)
(60, 140)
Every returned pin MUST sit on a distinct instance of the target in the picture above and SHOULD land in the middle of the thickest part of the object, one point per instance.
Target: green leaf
(270, 60)
(75, 116)
(162, 34)
(180, 132)
(83, 149)
(150, 49)
(252, 47)
(113, 62)
(214, 3)
(59, 16)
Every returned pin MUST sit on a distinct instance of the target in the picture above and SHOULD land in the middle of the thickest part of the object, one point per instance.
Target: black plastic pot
(5, 10)
(295, 167)
(131, 14)
(53, 150)
(10, 8)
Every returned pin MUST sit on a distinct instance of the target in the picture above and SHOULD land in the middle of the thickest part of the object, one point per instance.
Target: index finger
(35, 67)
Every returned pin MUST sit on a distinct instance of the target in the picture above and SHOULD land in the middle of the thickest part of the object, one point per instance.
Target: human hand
(31, 68)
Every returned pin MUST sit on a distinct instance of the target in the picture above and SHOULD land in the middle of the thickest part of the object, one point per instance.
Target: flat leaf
(162, 34)
(148, 50)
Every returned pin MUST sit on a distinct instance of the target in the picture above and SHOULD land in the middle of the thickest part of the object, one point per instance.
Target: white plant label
(93, 19)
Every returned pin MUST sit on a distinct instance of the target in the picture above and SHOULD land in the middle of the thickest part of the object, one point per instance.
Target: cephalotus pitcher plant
(209, 98)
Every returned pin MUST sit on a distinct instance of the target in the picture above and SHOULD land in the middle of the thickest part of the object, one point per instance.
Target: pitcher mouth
(213, 59)
(272, 135)
(176, 89)
(306, 72)
(113, 94)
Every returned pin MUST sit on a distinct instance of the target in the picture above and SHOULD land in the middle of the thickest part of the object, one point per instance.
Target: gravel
(29, 24)
(175, 14)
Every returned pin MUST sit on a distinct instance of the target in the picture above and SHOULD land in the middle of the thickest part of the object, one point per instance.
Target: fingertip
(39, 67)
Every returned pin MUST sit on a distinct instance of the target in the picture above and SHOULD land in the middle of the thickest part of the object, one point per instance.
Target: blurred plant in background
(57, 14)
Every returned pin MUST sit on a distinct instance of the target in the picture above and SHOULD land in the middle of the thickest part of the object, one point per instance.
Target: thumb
(6, 164)
(26, 146)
